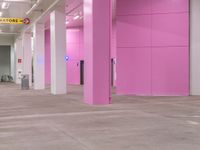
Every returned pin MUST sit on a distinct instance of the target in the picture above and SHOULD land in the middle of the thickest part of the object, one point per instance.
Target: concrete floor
(36, 120)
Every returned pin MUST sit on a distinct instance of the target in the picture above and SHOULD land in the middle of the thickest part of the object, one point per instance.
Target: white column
(13, 63)
(195, 47)
(39, 63)
(58, 50)
(27, 56)
(18, 60)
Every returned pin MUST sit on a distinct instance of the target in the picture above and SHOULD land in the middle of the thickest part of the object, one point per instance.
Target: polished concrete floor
(36, 120)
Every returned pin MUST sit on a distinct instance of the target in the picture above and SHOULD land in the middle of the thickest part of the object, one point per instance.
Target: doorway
(112, 72)
(5, 65)
(81, 72)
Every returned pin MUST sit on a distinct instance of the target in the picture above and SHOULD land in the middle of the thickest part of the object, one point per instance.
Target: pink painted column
(97, 29)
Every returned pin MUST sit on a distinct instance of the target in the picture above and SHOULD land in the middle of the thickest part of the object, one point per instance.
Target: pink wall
(75, 53)
(153, 47)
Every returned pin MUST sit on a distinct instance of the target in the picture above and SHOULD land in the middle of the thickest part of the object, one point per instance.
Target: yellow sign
(11, 21)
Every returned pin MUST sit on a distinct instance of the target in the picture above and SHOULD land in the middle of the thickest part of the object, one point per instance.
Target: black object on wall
(112, 72)
(82, 72)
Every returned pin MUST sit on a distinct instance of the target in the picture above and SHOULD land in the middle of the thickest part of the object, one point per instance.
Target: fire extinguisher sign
(19, 61)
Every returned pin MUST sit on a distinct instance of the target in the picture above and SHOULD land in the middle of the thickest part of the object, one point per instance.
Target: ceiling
(16, 9)
(19, 8)
(74, 8)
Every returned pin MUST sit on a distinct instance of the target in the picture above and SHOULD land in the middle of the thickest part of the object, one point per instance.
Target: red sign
(19, 61)
(26, 21)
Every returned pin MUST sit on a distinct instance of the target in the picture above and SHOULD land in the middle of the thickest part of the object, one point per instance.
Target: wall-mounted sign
(19, 61)
(14, 21)
(26, 21)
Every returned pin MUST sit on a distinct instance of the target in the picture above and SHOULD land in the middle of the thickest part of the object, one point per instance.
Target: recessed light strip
(76, 17)
(5, 5)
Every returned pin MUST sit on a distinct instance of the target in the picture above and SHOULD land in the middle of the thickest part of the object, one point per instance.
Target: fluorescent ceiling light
(67, 22)
(5, 5)
(76, 17)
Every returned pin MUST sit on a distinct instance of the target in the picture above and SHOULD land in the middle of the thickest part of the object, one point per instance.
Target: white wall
(27, 56)
(195, 47)
(9, 40)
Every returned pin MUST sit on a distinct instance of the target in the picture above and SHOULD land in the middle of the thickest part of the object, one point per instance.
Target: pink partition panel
(169, 6)
(161, 27)
(73, 50)
(134, 31)
(170, 47)
(135, 70)
(170, 29)
(47, 58)
(75, 53)
(73, 72)
(170, 71)
(130, 7)
(73, 35)
(81, 44)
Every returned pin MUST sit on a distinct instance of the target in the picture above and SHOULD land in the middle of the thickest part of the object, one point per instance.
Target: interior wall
(153, 47)
(75, 52)
(195, 47)
(5, 67)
